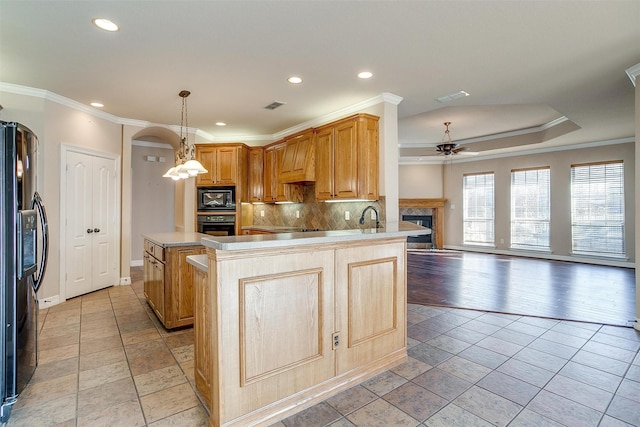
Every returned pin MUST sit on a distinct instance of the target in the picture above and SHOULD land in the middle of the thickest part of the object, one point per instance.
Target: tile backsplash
(318, 214)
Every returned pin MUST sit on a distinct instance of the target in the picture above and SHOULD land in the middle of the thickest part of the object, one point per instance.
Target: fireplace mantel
(438, 206)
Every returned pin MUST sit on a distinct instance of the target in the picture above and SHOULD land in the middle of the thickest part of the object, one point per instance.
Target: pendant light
(186, 164)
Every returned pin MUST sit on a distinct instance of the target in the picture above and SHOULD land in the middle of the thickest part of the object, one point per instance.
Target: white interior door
(91, 235)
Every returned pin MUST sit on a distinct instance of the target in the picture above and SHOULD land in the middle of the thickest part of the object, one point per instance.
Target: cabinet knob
(89, 230)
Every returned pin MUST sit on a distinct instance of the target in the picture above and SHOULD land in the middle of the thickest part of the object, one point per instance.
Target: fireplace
(423, 220)
(426, 207)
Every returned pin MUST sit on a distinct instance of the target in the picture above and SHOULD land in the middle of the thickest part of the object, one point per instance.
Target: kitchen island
(284, 321)
(168, 283)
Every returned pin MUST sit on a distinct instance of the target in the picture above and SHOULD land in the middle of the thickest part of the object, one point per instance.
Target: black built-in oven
(217, 225)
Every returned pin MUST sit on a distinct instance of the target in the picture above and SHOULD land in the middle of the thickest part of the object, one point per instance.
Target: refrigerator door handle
(37, 204)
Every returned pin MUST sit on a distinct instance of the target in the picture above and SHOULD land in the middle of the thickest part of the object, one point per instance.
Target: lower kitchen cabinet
(278, 329)
(168, 282)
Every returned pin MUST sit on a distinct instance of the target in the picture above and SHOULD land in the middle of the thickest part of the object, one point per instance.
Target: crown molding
(50, 96)
(431, 160)
(508, 134)
(351, 109)
(633, 73)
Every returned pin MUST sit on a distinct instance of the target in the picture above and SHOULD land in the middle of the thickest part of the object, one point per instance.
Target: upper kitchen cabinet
(347, 159)
(275, 190)
(256, 174)
(226, 164)
(298, 163)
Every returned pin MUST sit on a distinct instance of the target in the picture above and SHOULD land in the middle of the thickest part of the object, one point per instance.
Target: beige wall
(152, 196)
(637, 203)
(560, 163)
(420, 181)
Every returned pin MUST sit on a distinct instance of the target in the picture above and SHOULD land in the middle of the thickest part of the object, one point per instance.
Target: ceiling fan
(448, 147)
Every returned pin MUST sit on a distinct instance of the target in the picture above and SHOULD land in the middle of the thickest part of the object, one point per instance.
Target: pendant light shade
(186, 164)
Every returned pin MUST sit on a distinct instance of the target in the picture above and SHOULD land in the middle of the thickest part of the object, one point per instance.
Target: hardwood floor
(526, 286)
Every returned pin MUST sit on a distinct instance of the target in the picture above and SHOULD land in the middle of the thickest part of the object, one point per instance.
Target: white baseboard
(136, 263)
(49, 302)
(125, 280)
(544, 255)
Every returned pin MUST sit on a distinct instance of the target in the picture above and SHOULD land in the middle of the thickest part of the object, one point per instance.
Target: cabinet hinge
(335, 340)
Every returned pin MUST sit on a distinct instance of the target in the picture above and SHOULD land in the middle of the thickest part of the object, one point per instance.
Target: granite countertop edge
(391, 230)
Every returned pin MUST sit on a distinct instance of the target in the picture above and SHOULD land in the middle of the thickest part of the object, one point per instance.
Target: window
(478, 209)
(597, 209)
(530, 208)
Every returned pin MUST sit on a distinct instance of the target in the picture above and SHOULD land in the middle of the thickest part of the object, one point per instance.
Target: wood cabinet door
(269, 175)
(324, 163)
(346, 161)
(256, 175)
(226, 172)
(203, 336)
(276, 321)
(371, 313)
(207, 157)
(147, 273)
(281, 196)
(181, 287)
(157, 294)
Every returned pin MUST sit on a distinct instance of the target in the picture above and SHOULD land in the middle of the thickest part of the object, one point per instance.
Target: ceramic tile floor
(106, 361)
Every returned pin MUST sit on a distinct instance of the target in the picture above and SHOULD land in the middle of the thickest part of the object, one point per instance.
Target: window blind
(530, 208)
(478, 209)
(597, 208)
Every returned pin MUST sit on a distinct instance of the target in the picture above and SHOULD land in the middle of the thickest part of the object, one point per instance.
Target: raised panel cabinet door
(226, 166)
(256, 175)
(269, 175)
(202, 332)
(324, 163)
(281, 195)
(346, 161)
(276, 318)
(147, 273)
(371, 310)
(182, 298)
(207, 157)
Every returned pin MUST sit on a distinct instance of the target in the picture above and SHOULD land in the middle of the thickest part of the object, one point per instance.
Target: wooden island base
(286, 321)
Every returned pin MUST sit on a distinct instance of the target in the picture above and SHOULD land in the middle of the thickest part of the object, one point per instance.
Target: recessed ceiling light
(295, 80)
(97, 104)
(221, 124)
(365, 75)
(105, 24)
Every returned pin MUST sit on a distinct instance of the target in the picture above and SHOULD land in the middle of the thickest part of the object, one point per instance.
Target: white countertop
(200, 262)
(176, 238)
(391, 229)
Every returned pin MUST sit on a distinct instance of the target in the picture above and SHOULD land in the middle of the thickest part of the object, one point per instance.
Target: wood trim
(438, 206)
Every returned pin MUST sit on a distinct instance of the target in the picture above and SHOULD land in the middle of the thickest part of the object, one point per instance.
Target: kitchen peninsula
(284, 321)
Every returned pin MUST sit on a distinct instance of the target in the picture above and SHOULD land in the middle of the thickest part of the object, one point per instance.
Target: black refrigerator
(23, 259)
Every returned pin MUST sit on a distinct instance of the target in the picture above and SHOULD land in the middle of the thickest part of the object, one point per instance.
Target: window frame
(541, 218)
(472, 222)
(610, 206)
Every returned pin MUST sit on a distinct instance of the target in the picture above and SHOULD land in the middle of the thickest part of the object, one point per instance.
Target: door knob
(89, 230)
(97, 230)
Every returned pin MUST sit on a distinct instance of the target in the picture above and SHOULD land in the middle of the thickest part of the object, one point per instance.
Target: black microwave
(216, 199)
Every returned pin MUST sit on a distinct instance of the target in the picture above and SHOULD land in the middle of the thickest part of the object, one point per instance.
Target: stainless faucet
(365, 211)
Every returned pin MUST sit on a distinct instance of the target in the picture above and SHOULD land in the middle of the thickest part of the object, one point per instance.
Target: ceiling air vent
(274, 105)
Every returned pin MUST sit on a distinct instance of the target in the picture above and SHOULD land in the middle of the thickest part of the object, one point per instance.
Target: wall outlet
(347, 215)
(501, 241)
(297, 214)
(453, 206)
(262, 213)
